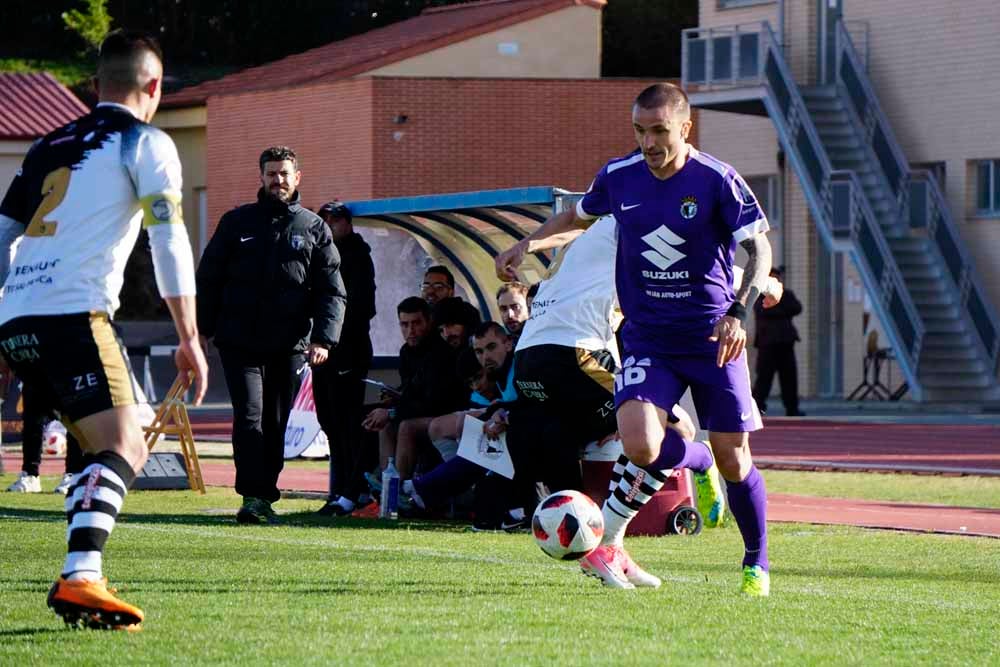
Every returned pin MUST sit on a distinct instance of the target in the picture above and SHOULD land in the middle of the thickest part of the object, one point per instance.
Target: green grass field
(313, 591)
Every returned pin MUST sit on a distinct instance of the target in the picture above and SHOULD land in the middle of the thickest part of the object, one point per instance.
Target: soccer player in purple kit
(680, 215)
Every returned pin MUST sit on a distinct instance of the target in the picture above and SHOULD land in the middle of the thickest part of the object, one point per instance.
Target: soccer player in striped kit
(77, 203)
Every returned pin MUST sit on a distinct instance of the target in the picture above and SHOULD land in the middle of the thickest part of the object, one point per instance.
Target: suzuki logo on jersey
(663, 253)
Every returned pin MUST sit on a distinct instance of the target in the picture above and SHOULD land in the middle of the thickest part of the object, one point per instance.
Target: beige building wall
(11, 155)
(934, 66)
(187, 128)
(750, 144)
(929, 63)
(565, 44)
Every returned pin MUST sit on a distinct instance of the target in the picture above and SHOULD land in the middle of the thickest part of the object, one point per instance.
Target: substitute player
(680, 214)
(79, 200)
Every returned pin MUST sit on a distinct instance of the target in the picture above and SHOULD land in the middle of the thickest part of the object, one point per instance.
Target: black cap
(335, 209)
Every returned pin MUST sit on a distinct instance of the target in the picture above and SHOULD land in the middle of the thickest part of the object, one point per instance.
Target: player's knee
(734, 460)
(640, 448)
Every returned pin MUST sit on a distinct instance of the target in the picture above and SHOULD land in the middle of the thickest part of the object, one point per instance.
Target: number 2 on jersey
(54, 188)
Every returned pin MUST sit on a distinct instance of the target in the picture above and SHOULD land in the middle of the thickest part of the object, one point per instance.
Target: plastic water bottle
(389, 507)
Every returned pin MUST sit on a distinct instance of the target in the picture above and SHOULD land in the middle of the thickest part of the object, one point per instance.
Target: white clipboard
(491, 454)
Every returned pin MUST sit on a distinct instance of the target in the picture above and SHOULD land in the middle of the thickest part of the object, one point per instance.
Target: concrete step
(944, 325)
(838, 130)
(961, 395)
(923, 286)
(941, 311)
(848, 157)
(927, 271)
(910, 244)
(936, 340)
(842, 142)
(954, 365)
(948, 354)
(828, 117)
(948, 380)
(930, 299)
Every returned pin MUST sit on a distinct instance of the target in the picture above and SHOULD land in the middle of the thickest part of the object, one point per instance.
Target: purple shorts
(721, 396)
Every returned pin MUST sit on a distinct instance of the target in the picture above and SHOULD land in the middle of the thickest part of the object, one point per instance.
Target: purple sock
(676, 452)
(748, 503)
(448, 479)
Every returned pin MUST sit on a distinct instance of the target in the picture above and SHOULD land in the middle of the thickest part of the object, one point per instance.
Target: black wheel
(685, 520)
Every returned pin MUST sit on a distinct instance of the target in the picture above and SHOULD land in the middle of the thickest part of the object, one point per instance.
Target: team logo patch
(298, 241)
(163, 210)
(689, 207)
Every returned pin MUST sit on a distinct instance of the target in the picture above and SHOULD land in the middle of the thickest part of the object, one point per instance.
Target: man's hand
(496, 425)
(610, 437)
(732, 338)
(773, 291)
(376, 420)
(191, 357)
(508, 261)
(317, 354)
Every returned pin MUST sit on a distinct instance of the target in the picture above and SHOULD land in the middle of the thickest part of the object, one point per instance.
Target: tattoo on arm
(758, 268)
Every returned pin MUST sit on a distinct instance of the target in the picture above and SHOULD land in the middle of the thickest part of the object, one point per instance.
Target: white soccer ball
(54, 444)
(568, 525)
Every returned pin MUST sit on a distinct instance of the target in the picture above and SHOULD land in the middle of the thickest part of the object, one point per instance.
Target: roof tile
(32, 105)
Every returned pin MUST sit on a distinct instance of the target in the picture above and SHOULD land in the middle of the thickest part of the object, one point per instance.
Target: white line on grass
(422, 551)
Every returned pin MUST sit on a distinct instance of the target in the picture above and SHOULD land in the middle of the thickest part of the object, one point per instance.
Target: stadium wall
(562, 44)
(458, 135)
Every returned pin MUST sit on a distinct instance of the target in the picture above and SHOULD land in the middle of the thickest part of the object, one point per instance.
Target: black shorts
(76, 362)
(569, 386)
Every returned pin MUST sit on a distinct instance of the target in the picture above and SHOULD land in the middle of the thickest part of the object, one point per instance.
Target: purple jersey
(676, 241)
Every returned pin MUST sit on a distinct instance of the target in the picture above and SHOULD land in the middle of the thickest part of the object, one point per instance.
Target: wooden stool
(172, 419)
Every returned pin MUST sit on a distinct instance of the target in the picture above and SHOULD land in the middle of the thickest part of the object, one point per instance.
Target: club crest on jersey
(298, 241)
(163, 209)
(689, 207)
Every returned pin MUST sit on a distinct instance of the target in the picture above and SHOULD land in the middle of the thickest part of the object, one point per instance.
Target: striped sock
(616, 473)
(92, 505)
(636, 487)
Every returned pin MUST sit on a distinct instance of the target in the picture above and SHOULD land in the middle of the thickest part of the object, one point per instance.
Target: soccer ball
(54, 443)
(567, 525)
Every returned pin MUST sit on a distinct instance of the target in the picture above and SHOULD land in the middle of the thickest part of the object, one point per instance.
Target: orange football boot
(93, 604)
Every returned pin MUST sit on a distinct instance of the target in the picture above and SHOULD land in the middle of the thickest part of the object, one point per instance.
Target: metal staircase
(894, 222)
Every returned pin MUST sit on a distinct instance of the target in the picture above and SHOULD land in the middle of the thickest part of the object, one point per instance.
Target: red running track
(833, 445)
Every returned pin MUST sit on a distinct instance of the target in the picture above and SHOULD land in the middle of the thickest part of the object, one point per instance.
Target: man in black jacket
(272, 298)
(338, 385)
(775, 339)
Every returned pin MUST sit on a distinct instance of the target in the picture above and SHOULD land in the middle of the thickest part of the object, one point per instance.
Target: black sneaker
(333, 508)
(256, 511)
(514, 524)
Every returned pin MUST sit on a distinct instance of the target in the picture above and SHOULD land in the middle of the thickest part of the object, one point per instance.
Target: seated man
(456, 320)
(414, 315)
(435, 388)
(493, 359)
(512, 300)
(439, 283)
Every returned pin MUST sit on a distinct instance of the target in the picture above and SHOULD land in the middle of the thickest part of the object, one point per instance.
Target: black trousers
(340, 399)
(36, 415)
(778, 358)
(262, 388)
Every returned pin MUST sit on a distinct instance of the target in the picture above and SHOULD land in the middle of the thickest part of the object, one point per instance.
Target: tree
(642, 38)
(92, 24)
